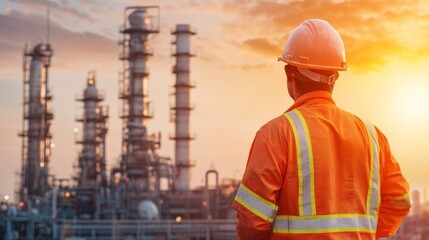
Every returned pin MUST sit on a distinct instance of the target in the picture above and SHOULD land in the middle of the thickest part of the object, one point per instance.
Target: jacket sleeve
(256, 199)
(395, 201)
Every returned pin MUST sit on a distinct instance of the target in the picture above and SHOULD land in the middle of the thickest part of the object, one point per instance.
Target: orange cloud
(263, 46)
(374, 32)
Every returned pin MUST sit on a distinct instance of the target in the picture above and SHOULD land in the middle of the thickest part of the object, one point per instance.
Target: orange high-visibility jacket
(319, 172)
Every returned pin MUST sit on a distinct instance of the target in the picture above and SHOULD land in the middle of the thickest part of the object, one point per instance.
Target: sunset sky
(240, 84)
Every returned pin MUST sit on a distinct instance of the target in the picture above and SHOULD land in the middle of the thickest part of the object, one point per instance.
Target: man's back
(317, 171)
(341, 159)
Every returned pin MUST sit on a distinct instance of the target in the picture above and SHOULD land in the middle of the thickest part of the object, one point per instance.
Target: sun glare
(414, 100)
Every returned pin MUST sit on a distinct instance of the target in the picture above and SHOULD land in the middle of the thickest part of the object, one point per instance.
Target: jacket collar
(318, 97)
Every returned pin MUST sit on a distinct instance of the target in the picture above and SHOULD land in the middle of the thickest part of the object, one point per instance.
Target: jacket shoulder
(276, 130)
(275, 124)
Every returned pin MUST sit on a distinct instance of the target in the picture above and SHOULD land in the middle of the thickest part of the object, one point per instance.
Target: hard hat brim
(312, 66)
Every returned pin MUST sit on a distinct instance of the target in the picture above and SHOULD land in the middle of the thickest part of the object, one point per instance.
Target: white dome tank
(148, 210)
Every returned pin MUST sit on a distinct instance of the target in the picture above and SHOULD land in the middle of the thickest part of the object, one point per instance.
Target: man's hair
(305, 84)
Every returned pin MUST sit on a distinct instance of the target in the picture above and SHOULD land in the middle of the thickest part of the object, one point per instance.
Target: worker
(317, 171)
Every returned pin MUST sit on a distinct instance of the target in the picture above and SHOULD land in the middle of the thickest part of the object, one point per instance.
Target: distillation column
(36, 144)
(140, 164)
(91, 179)
(182, 107)
(137, 53)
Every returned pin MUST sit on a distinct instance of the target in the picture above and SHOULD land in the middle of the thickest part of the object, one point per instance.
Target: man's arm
(395, 201)
(256, 199)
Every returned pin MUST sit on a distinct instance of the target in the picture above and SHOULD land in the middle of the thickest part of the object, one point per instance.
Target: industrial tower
(138, 200)
(37, 118)
(142, 169)
(182, 108)
(91, 192)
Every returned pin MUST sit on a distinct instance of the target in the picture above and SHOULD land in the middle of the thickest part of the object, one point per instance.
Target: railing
(150, 229)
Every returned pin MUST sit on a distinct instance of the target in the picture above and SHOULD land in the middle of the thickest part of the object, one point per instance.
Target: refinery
(145, 196)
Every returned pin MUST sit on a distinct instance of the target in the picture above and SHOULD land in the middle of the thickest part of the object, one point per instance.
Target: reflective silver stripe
(308, 221)
(325, 224)
(373, 200)
(403, 201)
(307, 205)
(256, 204)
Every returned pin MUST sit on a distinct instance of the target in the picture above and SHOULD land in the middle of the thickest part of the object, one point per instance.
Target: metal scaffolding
(92, 178)
(37, 119)
(142, 169)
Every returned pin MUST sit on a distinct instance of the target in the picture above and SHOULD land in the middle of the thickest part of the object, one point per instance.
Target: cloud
(374, 32)
(71, 49)
(251, 67)
(59, 9)
(263, 46)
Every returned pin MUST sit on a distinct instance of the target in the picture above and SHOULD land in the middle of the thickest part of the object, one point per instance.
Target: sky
(240, 84)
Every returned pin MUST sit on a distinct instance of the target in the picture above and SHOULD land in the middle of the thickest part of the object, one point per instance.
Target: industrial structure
(142, 169)
(146, 196)
(91, 190)
(181, 109)
(37, 119)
